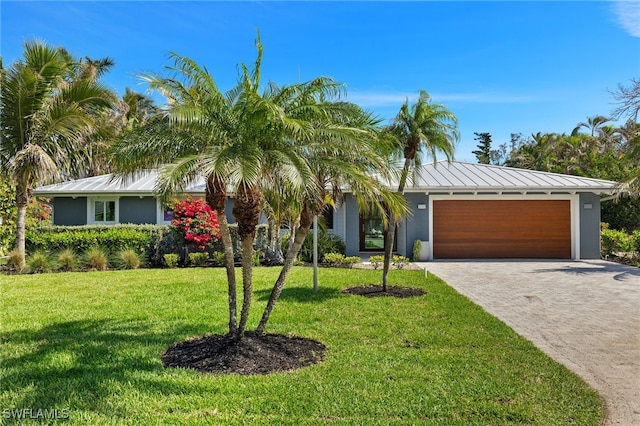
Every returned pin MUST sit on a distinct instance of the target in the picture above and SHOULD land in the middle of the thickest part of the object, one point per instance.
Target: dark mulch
(392, 291)
(221, 354)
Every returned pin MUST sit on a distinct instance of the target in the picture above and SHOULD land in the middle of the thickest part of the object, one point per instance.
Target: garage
(497, 229)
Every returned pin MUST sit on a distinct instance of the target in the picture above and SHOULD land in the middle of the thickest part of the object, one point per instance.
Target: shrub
(400, 261)
(257, 256)
(171, 260)
(195, 222)
(198, 258)
(635, 240)
(333, 259)
(15, 261)
(376, 261)
(39, 262)
(67, 260)
(128, 259)
(327, 243)
(349, 261)
(417, 247)
(96, 259)
(218, 258)
(615, 242)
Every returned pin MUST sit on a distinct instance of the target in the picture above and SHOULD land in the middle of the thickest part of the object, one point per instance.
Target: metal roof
(459, 176)
(441, 176)
(142, 183)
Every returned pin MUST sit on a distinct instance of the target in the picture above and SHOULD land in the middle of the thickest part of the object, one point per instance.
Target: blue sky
(501, 67)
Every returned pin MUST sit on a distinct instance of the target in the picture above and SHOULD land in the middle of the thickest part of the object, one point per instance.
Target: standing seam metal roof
(440, 176)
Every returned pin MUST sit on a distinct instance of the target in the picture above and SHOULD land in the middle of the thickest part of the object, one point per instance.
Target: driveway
(583, 314)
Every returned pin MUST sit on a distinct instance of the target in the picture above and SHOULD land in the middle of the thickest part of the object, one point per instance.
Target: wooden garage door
(468, 229)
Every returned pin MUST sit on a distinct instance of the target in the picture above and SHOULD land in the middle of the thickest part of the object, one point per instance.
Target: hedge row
(154, 241)
(614, 242)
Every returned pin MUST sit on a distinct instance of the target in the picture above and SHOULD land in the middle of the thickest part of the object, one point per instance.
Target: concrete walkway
(583, 314)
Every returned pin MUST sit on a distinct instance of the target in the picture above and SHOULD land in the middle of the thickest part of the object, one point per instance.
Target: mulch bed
(221, 354)
(392, 291)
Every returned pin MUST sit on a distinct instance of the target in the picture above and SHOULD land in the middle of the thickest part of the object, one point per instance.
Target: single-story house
(458, 210)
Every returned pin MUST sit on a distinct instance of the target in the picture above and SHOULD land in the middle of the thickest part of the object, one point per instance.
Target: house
(458, 210)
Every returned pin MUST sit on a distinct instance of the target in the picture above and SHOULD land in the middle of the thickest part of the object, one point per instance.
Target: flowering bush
(195, 222)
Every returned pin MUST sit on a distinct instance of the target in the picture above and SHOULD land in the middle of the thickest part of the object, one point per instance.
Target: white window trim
(91, 210)
(574, 200)
(160, 214)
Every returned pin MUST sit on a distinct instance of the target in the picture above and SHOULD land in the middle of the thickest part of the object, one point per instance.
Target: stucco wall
(589, 206)
(69, 211)
(137, 210)
(417, 224)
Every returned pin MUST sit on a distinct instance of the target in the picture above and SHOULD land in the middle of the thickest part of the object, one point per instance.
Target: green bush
(615, 242)
(635, 240)
(218, 258)
(96, 259)
(333, 259)
(128, 259)
(349, 261)
(376, 261)
(327, 243)
(198, 258)
(67, 260)
(40, 262)
(417, 247)
(400, 261)
(171, 260)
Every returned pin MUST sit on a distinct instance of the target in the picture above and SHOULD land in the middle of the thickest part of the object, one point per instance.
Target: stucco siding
(138, 210)
(352, 232)
(417, 223)
(68, 211)
(589, 206)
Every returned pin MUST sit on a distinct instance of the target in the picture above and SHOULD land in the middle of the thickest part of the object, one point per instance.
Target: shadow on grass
(79, 365)
(301, 294)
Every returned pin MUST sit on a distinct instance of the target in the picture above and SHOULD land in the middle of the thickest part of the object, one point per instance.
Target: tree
(425, 128)
(49, 103)
(593, 124)
(483, 153)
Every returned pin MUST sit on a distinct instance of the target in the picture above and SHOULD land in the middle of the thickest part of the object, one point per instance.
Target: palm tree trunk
(292, 252)
(22, 201)
(247, 284)
(227, 243)
(390, 231)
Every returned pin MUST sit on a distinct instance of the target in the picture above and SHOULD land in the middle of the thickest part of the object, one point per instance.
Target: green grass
(91, 343)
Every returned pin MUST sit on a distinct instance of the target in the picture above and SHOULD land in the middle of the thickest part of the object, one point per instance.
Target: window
(103, 211)
(167, 214)
(372, 232)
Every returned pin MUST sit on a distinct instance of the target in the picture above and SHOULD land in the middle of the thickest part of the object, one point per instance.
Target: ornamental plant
(195, 222)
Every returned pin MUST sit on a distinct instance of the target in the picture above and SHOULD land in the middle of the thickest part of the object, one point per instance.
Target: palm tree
(239, 140)
(423, 127)
(593, 124)
(344, 152)
(48, 108)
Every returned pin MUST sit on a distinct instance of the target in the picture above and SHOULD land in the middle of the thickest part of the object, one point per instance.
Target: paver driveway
(584, 314)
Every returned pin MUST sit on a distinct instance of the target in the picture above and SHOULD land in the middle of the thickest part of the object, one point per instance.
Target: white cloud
(627, 15)
(382, 99)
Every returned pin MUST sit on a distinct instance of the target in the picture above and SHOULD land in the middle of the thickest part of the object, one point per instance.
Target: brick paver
(583, 314)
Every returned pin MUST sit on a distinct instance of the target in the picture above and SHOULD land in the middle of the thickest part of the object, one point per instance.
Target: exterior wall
(352, 227)
(137, 210)
(69, 211)
(417, 223)
(589, 226)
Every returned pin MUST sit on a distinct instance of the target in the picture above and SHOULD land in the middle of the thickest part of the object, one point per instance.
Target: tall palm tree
(48, 109)
(425, 128)
(593, 124)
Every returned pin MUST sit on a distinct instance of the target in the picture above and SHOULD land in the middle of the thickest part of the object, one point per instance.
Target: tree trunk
(22, 201)
(247, 284)
(306, 218)
(246, 210)
(390, 231)
(216, 196)
(227, 243)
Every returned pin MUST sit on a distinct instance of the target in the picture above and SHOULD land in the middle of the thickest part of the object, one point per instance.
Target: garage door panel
(502, 229)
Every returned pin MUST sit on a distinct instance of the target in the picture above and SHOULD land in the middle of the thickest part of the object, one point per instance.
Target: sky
(501, 67)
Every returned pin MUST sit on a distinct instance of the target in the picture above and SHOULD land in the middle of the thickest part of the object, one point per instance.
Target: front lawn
(90, 343)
